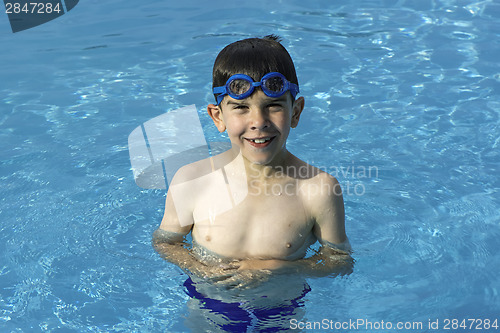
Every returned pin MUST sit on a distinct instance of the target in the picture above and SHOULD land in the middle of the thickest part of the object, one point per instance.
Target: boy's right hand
(257, 264)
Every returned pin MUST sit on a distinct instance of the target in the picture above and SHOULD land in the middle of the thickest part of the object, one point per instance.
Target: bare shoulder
(317, 185)
(191, 191)
(191, 171)
(322, 197)
(181, 195)
(201, 168)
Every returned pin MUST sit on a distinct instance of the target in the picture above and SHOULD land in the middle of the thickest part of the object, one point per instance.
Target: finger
(229, 266)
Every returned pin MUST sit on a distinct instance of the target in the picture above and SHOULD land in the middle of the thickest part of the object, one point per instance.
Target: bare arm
(171, 247)
(325, 262)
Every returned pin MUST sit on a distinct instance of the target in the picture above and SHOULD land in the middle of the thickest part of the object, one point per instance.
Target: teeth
(260, 140)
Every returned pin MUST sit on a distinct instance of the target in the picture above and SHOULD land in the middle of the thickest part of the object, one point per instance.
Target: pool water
(401, 105)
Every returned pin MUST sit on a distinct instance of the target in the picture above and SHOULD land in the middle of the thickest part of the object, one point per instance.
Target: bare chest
(265, 226)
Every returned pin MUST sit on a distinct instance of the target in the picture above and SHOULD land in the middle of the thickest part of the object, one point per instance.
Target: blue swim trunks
(243, 319)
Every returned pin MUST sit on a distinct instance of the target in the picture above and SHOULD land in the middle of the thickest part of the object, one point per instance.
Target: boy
(255, 207)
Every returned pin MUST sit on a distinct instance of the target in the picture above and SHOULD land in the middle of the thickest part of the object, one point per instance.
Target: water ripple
(408, 86)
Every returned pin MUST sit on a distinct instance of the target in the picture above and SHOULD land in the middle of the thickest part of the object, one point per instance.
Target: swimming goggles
(240, 86)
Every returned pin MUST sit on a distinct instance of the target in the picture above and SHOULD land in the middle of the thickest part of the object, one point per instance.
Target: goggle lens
(274, 85)
(240, 86)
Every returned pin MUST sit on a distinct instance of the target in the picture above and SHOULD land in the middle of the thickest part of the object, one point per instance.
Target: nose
(259, 119)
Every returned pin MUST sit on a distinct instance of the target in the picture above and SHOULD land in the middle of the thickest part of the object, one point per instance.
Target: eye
(275, 106)
(240, 108)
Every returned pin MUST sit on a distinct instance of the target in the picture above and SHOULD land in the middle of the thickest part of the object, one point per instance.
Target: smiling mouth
(260, 142)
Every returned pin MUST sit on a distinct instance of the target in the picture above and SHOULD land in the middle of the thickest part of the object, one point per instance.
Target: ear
(215, 112)
(298, 106)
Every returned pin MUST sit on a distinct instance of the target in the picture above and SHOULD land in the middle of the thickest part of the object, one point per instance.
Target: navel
(288, 245)
(208, 238)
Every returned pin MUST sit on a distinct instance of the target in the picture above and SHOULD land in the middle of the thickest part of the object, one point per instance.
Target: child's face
(258, 125)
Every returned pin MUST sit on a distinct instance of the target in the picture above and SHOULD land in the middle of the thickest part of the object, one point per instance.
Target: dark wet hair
(254, 57)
